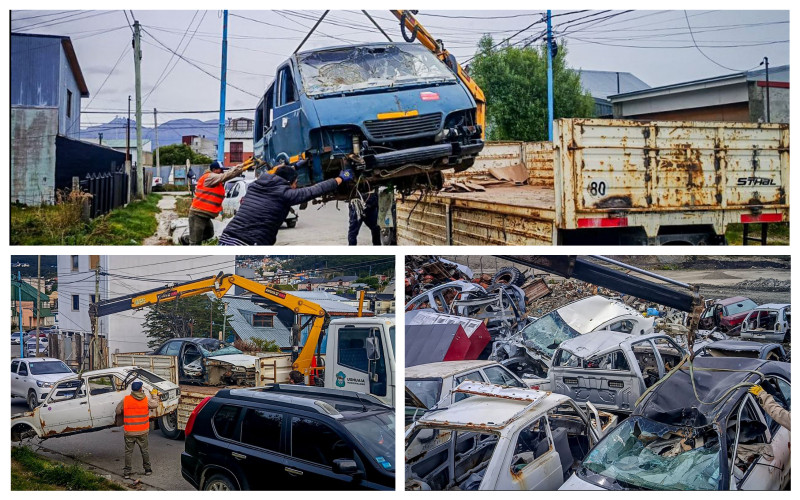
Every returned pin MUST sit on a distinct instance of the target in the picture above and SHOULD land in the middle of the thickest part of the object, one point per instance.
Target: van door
(287, 137)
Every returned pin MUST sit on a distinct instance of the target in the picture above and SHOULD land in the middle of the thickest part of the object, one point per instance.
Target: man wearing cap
(134, 411)
(209, 193)
(267, 203)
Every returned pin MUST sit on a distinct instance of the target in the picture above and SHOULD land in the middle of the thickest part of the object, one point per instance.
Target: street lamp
(765, 63)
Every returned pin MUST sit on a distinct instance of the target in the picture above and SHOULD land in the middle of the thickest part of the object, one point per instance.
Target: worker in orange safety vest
(209, 193)
(134, 412)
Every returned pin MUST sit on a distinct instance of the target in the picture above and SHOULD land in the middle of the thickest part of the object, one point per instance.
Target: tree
(371, 281)
(177, 154)
(187, 317)
(514, 81)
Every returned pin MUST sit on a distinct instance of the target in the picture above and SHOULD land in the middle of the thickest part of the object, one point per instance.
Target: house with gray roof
(602, 84)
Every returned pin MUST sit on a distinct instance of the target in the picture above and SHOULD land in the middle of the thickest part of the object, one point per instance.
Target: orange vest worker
(137, 415)
(208, 199)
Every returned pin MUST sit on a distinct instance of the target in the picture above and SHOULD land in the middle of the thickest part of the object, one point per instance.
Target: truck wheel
(169, 426)
(33, 401)
(510, 275)
(218, 482)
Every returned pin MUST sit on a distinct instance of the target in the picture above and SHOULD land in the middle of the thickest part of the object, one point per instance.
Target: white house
(120, 275)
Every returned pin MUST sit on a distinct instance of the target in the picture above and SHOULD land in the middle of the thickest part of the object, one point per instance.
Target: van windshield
(351, 69)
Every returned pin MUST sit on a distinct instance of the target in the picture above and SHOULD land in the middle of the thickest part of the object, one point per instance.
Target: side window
(269, 105)
(501, 376)
(286, 88)
(317, 443)
(750, 437)
(567, 359)
(624, 326)
(671, 354)
(609, 361)
(262, 428)
(352, 350)
(646, 359)
(100, 385)
(71, 389)
(532, 443)
(258, 126)
(23, 369)
(781, 394)
(476, 376)
(14, 366)
(224, 421)
(171, 349)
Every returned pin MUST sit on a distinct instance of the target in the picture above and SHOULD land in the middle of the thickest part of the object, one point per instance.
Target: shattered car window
(427, 391)
(548, 332)
(647, 454)
(356, 68)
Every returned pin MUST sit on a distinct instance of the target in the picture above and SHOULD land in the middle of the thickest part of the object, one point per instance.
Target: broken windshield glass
(547, 332)
(356, 68)
(647, 454)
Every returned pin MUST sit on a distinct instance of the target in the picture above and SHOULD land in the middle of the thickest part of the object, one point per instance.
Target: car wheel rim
(218, 486)
(170, 422)
(31, 401)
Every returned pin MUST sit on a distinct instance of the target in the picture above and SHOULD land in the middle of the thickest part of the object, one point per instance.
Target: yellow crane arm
(407, 20)
(220, 284)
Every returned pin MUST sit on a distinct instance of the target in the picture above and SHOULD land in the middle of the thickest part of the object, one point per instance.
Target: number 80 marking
(597, 188)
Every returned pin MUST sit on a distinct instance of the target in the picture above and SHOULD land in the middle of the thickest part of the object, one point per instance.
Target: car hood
(354, 109)
(52, 377)
(244, 360)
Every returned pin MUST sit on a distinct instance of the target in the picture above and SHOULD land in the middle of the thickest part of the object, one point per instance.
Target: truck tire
(169, 426)
(33, 402)
(509, 275)
(219, 482)
(291, 223)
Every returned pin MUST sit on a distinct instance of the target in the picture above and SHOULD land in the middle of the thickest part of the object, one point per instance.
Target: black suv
(290, 437)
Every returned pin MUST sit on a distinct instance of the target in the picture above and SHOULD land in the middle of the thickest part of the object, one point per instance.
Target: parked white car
(772, 322)
(501, 438)
(88, 402)
(32, 378)
(430, 381)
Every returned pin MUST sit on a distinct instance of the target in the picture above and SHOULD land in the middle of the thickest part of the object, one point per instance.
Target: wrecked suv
(501, 438)
(208, 361)
(390, 111)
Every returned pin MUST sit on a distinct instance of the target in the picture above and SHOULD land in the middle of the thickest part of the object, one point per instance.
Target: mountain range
(169, 132)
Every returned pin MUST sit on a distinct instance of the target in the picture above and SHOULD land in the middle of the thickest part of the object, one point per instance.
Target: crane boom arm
(219, 285)
(410, 23)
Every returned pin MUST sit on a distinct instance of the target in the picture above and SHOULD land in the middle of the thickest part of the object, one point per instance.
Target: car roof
(601, 341)
(771, 306)
(586, 314)
(350, 46)
(689, 397)
(742, 345)
(731, 300)
(35, 360)
(493, 412)
(445, 368)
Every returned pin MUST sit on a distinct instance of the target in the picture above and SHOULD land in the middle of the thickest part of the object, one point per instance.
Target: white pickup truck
(88, 401)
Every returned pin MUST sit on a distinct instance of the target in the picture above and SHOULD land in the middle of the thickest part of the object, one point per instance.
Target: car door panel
(16, 383)
(69, 414)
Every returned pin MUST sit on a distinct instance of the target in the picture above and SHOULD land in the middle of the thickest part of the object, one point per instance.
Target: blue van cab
(393, 112)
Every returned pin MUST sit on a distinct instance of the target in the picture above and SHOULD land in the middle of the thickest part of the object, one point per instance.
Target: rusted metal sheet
(190, 398)
(165, 367)
(494, 155)
(536, 289)
(538, 159)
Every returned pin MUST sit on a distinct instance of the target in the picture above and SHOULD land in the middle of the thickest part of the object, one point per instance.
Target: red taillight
(535, 387)
(750, 219)
(603, 222)
(197, 409)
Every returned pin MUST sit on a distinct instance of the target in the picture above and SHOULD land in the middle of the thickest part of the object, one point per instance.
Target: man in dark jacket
(364, 212)
(267, 203)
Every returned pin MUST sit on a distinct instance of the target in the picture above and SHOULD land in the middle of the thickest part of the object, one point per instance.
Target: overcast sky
(656, 46)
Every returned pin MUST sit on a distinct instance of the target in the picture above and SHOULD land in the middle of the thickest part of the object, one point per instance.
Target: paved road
(102, 452)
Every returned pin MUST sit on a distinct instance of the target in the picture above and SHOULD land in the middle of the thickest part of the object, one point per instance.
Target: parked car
(88, 401)
(698, 430)
(772, 322)
(30, 347)
(290, 437)
(726, 314)
(234, 194)
(612, 369)
(428, 383)
(529, 352)
(744, 349)
(198, 356)
(16, 336)
(389, 110)
(32, 378)
(501, 438)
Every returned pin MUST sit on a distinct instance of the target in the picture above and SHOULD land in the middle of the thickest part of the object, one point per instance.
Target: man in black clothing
(267, 203)
(364, 212)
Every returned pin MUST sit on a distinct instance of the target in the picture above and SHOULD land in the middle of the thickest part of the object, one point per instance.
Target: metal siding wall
(35, 66)
(33, 154)
(78, 158)
(71, 127)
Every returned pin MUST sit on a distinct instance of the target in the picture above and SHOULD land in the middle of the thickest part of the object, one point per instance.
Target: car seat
(561, 445)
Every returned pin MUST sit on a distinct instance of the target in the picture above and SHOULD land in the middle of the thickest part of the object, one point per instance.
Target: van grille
(404, 127)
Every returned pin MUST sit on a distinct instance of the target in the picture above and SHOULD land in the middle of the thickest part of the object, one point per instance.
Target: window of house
(237, 148)
(75, 262)
(94, 261)
(76, 302)
(263, 320)
(92, 297)
(69, 103)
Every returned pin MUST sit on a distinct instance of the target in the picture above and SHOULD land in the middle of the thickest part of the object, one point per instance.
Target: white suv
(32, 378)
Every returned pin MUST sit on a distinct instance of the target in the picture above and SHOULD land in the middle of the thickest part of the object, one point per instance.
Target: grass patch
(32, 472)
(61, 224)
(777, 233)
(170, 188)
(182, 206)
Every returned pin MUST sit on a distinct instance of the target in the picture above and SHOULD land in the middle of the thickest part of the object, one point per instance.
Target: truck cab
(386, 110)
(360, 356)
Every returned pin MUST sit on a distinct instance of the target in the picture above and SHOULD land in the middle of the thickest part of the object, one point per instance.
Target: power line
(509, 38)
(125, 50)
(172, 56)
(701, 50)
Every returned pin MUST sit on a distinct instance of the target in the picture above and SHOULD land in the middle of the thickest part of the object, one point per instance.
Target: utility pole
(38, 301)
(19, 306)
(222, 85)
(95, 354)
(549, 78)
(765, 63)
(137, 63)
(158, 158)
(128, 138)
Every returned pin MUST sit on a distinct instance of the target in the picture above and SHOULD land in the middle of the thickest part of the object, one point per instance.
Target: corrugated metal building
(737, 97)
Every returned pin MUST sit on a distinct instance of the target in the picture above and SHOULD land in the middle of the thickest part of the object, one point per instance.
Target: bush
(257, 345)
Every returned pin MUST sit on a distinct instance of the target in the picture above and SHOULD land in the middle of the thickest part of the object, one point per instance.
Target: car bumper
(424, 154)
(189, 467)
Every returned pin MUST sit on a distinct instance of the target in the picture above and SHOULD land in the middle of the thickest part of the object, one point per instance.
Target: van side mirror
(373, 353)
